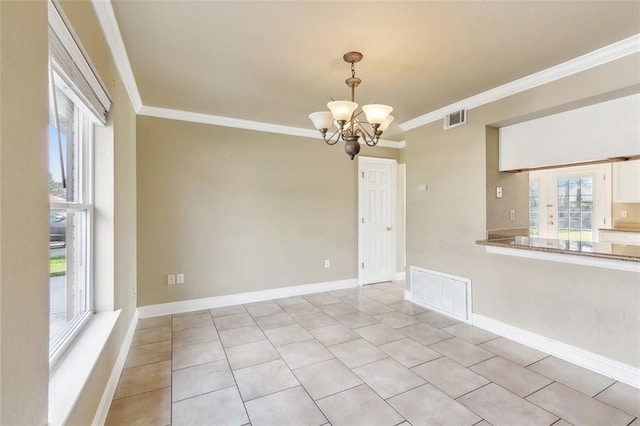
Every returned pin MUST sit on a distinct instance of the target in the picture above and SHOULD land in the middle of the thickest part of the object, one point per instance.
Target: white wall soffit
(593, 59)
(216, 120)
(107, 18)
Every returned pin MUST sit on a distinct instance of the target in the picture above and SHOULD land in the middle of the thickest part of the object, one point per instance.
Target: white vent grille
(455, 119)
(444, 293)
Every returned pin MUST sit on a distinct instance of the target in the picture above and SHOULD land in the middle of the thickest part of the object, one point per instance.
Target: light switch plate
(498, 192)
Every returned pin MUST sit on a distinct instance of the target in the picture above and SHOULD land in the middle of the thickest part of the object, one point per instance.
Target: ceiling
(276, 62)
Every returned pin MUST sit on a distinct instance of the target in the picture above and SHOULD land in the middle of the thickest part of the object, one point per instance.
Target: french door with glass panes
(570, 203)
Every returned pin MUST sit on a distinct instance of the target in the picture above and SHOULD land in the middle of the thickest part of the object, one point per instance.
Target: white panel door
(572, 202)
(377, 234)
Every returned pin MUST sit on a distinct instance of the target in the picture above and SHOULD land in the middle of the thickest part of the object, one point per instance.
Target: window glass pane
(575, 209)
(534, 201)
(69, 282)
(62, 158)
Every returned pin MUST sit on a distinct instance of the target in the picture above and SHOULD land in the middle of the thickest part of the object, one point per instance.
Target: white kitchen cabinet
(619, 237)
(626, 182)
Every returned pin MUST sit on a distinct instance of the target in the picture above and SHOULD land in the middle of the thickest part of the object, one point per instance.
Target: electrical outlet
(179, 278)
(512, 215)
(498, 192)
(171, 279)
(327, 263)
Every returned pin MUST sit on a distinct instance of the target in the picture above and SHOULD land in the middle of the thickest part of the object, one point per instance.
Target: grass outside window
(57, 266)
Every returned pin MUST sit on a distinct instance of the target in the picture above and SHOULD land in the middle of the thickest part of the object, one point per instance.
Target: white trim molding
(400, 276)
(593, 59)
(110, 389)
(241, 298)
(598, 363)
(67, 382)
(598, 262)
(109, 24)
(111, 30)
(218, 120)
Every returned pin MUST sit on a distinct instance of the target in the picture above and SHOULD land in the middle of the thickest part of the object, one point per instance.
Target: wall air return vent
(455, 119)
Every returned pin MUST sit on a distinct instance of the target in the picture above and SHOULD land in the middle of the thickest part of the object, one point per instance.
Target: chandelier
(343, 116)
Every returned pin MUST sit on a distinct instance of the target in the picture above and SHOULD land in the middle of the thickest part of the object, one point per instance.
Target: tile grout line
(531, 402)
(594, 396)
(225, 350)
(226, 357)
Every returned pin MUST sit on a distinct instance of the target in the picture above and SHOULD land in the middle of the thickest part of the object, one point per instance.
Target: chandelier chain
(353, 70)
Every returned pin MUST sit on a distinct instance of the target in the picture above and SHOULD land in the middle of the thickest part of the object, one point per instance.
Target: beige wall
(515, 192)
(24, 207)
(632, 209)
(400, 218)
(115, 206)
(238, 210)
(591, 308)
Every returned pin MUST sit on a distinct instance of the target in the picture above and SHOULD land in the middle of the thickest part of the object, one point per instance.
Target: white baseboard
(407, 295)
(240, 298)
(598, 363)
(400, 276)
(105, 402)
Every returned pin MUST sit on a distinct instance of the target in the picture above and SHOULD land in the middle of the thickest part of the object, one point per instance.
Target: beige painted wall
(400, 258)
(115, 206)
(24, 208)
(591, 308)
(515, 192)
(238, 210)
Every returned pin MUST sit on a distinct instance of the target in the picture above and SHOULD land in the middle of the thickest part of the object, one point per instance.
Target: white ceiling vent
(455, 119)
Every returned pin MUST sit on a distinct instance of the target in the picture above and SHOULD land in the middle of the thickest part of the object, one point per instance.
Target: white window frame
(83, 142)
(73, 72)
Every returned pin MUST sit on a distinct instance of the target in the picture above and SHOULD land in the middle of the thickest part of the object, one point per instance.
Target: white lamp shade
(376, 113)
(342, 110)
(321, 120)
(385, 123)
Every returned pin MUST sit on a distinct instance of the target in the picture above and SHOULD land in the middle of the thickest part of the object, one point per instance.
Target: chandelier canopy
(342, 114)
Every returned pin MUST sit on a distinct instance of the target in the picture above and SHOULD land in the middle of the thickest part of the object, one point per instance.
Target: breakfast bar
(600, 254)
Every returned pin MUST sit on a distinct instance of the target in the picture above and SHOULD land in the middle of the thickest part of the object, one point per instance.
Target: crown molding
(593, 59)
(217, 120)
(107, 19)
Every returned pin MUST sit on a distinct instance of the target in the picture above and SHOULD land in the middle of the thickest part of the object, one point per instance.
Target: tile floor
(351, 357)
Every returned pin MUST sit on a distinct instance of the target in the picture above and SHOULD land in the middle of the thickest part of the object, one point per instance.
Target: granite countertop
(624, 225)
(582, 248)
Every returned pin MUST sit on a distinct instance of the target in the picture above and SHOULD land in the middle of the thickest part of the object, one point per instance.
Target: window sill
(68, 380)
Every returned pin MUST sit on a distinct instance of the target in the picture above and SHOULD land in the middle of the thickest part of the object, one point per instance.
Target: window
(78, 101)
(575, 209)
(534, 210)
(70, 182)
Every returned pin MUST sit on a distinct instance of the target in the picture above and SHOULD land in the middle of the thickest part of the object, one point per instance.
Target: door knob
(550, 223)
(388, 228)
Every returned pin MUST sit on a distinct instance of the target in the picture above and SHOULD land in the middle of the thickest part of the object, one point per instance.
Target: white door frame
(394, 213)
(601, 174)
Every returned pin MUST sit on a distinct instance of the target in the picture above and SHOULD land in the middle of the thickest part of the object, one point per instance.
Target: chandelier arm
(328, 141)
(368, 139)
